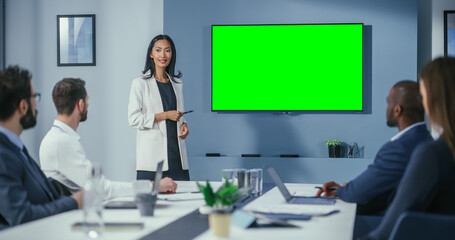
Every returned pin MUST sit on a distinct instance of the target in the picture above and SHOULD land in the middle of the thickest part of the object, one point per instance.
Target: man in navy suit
(373, 189)
(25, 192)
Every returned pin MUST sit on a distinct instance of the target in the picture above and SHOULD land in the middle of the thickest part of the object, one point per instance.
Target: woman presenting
(155, 109)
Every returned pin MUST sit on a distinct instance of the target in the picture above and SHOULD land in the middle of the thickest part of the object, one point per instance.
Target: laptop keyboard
(312, 200)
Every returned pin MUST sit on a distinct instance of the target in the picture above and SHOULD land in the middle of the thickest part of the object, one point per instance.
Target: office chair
(420, 225)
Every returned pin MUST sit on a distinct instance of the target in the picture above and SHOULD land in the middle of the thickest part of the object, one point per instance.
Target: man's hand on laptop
(329, 189)
(167, 185)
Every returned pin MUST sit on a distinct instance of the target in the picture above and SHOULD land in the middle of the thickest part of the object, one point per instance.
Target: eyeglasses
(37, 97)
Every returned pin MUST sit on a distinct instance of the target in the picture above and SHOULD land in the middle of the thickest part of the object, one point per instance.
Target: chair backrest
(60, 188)
(419, 225)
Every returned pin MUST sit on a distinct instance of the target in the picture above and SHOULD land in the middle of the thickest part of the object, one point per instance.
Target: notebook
(124, 204)
(295, 199)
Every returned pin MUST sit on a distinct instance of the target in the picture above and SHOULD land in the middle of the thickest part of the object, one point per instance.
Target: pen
(190, 111)
(188, 192)
(330, 188)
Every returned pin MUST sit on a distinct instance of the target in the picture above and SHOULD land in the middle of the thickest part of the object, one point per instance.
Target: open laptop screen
(159, 174)
(278, 182)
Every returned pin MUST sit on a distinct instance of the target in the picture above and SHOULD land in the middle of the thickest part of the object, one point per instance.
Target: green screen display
(287, 67)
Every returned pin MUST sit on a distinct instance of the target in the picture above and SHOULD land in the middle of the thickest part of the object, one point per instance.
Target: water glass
(241, 178)
(230, 175)
(255, 181)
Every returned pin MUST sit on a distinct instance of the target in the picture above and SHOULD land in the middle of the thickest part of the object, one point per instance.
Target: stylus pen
(330, 188)
(188, 192)
(190, 111)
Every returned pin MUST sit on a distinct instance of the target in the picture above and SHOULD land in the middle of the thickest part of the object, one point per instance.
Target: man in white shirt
(62, 155)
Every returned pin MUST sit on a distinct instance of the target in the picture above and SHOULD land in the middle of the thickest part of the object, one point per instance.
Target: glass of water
(229, 175)
(255, 181)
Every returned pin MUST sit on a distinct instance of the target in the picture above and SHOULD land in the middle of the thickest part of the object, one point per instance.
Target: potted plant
(221, 203)
(334, 148)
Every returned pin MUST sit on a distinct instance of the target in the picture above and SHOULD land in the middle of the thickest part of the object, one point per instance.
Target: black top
(427, 186)
(173, 152)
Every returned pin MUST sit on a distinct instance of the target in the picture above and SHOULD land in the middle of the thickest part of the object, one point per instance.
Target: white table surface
(58, 227)
(337, 226)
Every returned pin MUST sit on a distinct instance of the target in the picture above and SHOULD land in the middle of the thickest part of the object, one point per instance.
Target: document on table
(274, 202)
(120, 203)
(181, 196)
(291, 209)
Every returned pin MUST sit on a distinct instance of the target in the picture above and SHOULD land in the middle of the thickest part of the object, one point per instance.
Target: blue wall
(392, 41)
(123, 32)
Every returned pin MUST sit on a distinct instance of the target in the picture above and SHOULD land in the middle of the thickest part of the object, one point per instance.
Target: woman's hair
(439, 80)
(150, 64)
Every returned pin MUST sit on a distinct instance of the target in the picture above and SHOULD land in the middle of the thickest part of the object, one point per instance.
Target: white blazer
(151, 141)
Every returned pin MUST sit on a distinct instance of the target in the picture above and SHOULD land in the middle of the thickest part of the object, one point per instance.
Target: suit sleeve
(15, 207)
(380, 177)
(137, 118)
(423, 172)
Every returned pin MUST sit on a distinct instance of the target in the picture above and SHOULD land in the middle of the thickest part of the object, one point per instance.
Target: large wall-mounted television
(295, 67)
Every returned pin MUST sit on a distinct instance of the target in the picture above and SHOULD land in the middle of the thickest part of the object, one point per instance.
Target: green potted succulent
(221, 203)
(334, 147)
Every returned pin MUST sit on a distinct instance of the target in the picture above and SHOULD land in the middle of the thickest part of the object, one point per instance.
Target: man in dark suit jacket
(25, 192)
(373, 189)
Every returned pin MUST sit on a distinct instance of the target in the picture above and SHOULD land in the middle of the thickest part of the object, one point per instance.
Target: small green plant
(333, 143)
(226, 195)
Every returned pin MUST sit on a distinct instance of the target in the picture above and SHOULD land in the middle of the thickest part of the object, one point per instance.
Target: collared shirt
(14, 139)
(398, 135)
(63, 158)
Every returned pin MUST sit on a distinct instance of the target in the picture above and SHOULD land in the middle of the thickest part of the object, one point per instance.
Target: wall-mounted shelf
(299, 170)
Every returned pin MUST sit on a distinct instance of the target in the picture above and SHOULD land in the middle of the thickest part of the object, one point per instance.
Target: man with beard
(62, 155)
(373, 189)
(25, 192)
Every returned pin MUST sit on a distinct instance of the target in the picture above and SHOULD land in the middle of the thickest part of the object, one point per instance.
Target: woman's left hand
(183, 131)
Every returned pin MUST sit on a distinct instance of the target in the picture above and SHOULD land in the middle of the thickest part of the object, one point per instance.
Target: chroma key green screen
(287, 67)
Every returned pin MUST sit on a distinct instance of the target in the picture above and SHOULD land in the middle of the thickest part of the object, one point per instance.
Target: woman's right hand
(174, 115)
(167, 185)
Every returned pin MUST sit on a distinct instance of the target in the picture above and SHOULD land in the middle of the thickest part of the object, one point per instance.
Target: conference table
(177, 216)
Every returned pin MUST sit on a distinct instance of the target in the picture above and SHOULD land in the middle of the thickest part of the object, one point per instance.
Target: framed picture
(76, 40)
(449, 33)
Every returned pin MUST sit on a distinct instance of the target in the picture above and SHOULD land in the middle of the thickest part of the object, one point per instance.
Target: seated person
(25, 193)
(427, 183)
(373, 189)
(61, 153)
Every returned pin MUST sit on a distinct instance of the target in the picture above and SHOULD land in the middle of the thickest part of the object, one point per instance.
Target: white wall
(123, 31)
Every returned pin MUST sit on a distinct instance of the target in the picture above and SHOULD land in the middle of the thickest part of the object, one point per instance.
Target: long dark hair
(438, 77)
(150, 64)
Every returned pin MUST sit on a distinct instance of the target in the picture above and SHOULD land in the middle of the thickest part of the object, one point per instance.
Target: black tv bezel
(288, 111)
(446, 15)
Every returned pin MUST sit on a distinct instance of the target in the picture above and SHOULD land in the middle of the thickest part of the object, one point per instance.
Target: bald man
(373, 189)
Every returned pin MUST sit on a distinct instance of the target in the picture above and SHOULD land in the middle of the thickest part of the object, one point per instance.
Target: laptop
(158, 175)
(295, 199)
(132, 204)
